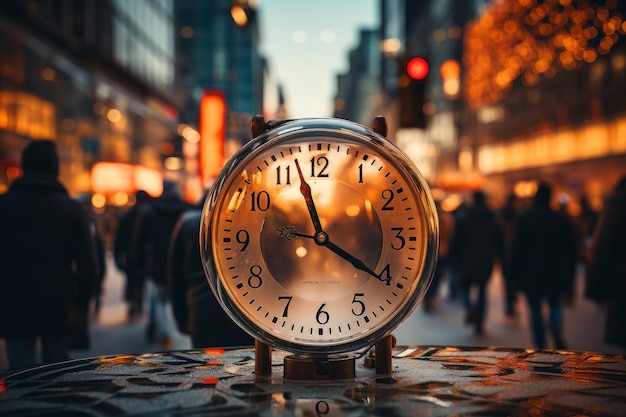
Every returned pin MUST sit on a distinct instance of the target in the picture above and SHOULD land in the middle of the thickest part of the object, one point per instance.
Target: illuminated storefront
(107, 99)
(543, 91)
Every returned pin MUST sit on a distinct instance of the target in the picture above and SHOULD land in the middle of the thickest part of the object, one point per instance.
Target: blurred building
(544, 92)
(219, 46)
(96, 77)
(516, 92)
(358, 89)
(420, 116)
(118, 85)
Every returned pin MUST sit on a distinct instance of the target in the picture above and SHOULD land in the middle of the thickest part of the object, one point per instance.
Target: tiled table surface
(426, 381)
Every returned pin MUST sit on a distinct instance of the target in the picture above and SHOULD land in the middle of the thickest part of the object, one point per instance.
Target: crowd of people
(539, 249)
(53, 265)
(52, 260)
(157, 246)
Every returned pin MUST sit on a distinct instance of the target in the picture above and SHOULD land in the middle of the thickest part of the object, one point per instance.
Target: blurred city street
(325, 153)
(112, 334)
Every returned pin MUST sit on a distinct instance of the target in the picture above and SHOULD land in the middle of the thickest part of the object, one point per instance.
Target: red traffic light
(417, 68)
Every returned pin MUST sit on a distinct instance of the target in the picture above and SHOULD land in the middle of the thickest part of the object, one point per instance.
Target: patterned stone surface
(426, 381)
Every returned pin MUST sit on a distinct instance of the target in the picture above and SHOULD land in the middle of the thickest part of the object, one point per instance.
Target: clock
(319, 237)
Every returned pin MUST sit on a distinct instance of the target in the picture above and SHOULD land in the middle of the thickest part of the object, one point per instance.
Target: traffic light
(412, 80)
(417, 68)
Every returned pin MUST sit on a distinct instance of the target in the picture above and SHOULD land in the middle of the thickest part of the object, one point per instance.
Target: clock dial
(320, 242)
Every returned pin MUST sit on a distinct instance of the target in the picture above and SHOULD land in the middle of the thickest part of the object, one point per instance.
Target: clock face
(318, 239)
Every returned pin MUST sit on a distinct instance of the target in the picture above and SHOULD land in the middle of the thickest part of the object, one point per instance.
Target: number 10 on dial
(319, 236)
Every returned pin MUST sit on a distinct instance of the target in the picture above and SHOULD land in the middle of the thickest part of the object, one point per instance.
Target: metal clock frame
(319, 362)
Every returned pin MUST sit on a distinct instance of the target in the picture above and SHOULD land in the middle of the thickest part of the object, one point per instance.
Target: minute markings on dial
(376, 167)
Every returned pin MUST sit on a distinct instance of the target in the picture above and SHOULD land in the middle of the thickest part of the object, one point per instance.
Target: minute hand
(357, 263)
(321, 239)
(305, 190)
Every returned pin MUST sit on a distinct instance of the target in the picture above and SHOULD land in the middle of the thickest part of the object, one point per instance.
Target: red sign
(212, 126)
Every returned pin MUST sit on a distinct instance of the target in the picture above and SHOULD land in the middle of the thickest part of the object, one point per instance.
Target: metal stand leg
(383, 355)
(257, 125)
(262, 359)
(380, 125)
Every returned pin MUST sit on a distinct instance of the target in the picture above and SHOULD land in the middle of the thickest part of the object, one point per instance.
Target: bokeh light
(528, 40)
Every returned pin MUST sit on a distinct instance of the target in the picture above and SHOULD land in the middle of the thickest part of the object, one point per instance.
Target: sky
(307, 43)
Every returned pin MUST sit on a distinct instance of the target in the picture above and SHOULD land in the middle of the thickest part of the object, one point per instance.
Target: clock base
(301, 367)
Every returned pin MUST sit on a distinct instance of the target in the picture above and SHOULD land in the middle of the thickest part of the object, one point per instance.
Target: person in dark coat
(98, 290)
(607, 265)
(446, 230)
(47, 260)
(543, 263)
(476, 244)
(506, 216)
(157, 224)
(195, 308)
(453, 276)
(126, 255)
(82, 337)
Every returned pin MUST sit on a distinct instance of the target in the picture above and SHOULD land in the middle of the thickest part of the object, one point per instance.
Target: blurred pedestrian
(588, 216)
(507, 216)
(47, 256)
(98, 291)
(476, 245)
(157, 224)
(446, 230)
(81, 338)
(126, 254)
(586, 223)
(453, 276)
(85, 201)
(607, 265)
(543, 264)
(195, 308)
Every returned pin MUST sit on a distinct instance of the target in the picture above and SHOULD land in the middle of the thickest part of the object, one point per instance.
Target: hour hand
(290, 233)
(305, 190)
